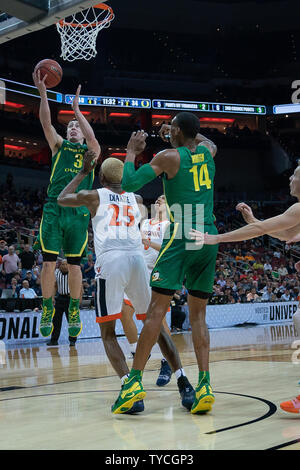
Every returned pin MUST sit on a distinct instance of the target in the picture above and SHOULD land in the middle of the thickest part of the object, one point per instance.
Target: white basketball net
(79, 32)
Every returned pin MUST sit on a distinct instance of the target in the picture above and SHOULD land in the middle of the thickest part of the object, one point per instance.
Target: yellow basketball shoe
(204, 395)
(46, 325)
(132, 391)
(75, 325)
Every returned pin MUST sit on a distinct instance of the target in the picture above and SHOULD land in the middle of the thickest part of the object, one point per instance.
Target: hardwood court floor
(60, 398)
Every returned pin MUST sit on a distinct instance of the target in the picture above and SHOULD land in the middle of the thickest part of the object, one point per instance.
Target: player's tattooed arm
(85, 127)
(69, 198)
(202, 140)
(53, 138)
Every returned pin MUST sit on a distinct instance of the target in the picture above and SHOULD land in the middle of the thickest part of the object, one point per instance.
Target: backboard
(20, 17)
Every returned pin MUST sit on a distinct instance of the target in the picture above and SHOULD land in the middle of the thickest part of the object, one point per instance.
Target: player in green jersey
(188, 172)
(64, 228)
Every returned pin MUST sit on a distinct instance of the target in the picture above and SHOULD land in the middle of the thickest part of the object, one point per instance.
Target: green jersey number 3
(78, 160)
(201, 179)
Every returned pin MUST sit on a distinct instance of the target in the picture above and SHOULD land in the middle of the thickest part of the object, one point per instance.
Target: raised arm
(85, 127)
(279, 224)
(202, 140)
(163, 162)
(69, 198)
(53, 138)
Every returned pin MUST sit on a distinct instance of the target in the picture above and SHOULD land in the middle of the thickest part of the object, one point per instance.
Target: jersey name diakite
(116, 223)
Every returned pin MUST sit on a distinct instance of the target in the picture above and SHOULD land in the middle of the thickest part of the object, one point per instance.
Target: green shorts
(63, 228)
(177, 264)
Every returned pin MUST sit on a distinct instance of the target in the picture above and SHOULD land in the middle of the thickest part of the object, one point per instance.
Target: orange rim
(100, 6)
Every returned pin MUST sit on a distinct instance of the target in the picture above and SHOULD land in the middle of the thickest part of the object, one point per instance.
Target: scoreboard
(111, 101)
(142, 103)
(208, 107)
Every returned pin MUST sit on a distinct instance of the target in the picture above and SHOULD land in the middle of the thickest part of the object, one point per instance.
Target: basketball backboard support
(20, 17)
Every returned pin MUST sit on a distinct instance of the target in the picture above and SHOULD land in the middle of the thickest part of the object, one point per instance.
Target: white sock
(133, 347)
(179, 373)
(123, 378)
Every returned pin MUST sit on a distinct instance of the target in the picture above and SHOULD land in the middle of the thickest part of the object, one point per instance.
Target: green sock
(137, 374)
(48, 303)
(204, 377)
(74, 304)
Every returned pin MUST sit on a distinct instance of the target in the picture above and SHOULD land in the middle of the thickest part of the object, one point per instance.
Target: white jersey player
(120, 265)
(152, 231)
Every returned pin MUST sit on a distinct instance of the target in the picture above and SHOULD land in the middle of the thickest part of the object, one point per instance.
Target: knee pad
(296, 320)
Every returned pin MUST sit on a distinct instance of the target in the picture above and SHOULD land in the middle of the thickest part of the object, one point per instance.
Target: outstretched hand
(165, 132)
(137, 142)
(75, 102)
(39, 82)
(245, 210)
(89, 161)
(203, 238)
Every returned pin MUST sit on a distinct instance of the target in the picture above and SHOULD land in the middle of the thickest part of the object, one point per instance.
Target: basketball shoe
(186, 392)
(46, 325)
(164, 374)
(204, 396)
(75, 325)
(138, 407)
(132, 391)
(291, 406)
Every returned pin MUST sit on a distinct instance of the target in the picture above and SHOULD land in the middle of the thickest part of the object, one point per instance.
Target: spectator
(282, 270)
(11, 263)
(252, 296)
(268, 295)
(15, 287)
(3, 248)
(286, 297)
(26, 292)
(88, 268)
(31, 281)
(27, 260)
(267, 267)
(291, 268)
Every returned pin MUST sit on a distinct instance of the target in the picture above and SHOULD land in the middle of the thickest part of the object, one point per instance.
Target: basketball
(52, 69)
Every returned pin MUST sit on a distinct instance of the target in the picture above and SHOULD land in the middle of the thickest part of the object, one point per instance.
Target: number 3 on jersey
(116, 221)
(203, 178)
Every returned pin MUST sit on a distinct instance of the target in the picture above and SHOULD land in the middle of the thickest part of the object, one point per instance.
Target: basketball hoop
(79, 32)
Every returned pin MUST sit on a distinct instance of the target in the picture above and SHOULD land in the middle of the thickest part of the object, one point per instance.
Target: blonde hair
(112, 170)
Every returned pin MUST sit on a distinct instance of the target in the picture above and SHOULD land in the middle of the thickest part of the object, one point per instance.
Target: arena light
(118, 154)
(70, 112)
(207, 119)
(161, 116)
(120, 114)
(13, 147)
(11, 104)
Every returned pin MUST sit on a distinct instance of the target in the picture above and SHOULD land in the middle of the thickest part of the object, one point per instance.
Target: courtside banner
(23, 327)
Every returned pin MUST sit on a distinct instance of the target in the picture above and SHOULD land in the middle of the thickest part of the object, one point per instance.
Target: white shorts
(121, 274)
